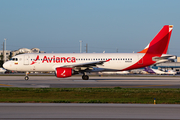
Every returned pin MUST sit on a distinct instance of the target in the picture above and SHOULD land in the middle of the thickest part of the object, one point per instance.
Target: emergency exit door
(26, 59)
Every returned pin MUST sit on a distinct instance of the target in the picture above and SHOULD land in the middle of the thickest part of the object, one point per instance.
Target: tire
(85, 77)
(26, 78)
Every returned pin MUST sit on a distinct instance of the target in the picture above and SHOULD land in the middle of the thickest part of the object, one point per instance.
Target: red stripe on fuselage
(147, 61)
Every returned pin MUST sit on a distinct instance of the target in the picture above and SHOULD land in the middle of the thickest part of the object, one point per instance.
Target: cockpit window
(14, 59)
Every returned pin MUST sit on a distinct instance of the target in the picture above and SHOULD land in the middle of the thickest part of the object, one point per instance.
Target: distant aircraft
(2, 70)
(159, 72)
(68, 64)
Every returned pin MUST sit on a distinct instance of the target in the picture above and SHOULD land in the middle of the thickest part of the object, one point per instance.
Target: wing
(88, 64)
(85, 67)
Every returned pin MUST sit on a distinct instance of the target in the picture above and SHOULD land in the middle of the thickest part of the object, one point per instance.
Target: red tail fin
(159, 45)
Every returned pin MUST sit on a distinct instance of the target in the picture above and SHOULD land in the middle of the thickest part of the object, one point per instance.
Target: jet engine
(63, 72)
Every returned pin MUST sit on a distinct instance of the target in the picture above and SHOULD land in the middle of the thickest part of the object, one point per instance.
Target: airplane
(2, 70)
(68, 64)
(159, 72)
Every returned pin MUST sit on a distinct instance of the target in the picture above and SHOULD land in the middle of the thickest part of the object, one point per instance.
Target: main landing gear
(27, 77)
(85, 77)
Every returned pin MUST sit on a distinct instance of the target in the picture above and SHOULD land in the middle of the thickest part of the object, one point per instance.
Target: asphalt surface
(61, 111)
(88, 111)
(74, 82)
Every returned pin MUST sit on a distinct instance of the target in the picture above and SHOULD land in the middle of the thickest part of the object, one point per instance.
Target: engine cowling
(63, 72)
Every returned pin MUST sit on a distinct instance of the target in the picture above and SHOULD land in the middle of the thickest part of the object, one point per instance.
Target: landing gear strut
(85, 77)
(27, 77)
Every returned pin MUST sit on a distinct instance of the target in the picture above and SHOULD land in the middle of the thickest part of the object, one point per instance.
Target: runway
(88, 111)
(73, 111)
(76, 81)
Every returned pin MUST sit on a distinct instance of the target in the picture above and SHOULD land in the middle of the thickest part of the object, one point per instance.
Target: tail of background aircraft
(159, 45)
(149, 70)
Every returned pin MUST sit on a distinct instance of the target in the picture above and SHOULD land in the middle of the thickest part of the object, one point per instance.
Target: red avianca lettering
(59, 59)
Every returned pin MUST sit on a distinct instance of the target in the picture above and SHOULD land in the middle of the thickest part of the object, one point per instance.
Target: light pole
(5, 50)
(80, 45)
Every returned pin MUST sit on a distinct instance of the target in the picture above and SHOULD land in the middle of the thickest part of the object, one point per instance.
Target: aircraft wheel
(85, 77)
(26, 78)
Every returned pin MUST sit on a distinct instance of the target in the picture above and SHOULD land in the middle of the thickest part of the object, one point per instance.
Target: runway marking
(130, 86)
(5, 85)
(134, 80)
(145, 85)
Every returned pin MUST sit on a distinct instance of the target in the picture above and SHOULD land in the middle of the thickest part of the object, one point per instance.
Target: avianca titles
(68, 64)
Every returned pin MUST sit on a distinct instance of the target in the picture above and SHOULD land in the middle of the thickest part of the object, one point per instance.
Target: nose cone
(5, 65)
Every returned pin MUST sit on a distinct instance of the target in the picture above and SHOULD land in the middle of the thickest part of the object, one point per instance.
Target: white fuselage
(50, 61)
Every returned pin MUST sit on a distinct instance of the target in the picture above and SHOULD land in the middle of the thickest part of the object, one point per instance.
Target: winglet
(159, 45)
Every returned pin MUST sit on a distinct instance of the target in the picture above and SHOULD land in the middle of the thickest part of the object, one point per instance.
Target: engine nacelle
(62, 72)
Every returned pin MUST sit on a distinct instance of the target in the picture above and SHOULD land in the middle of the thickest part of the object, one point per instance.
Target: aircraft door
(26, 59)
(140, 60)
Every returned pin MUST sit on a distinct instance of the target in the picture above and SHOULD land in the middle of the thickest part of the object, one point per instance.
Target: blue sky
(105, 25)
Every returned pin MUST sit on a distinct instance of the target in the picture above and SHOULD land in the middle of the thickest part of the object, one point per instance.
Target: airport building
(19, 51)
(26, 50)
(170, 65)
(7, 53)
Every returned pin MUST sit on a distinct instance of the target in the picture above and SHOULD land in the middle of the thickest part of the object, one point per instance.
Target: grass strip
(90, 95)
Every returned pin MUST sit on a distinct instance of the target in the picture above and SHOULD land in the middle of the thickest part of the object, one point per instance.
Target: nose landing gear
(27, 77)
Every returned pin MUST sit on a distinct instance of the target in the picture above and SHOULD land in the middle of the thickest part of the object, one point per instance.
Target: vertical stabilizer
(159, 45)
